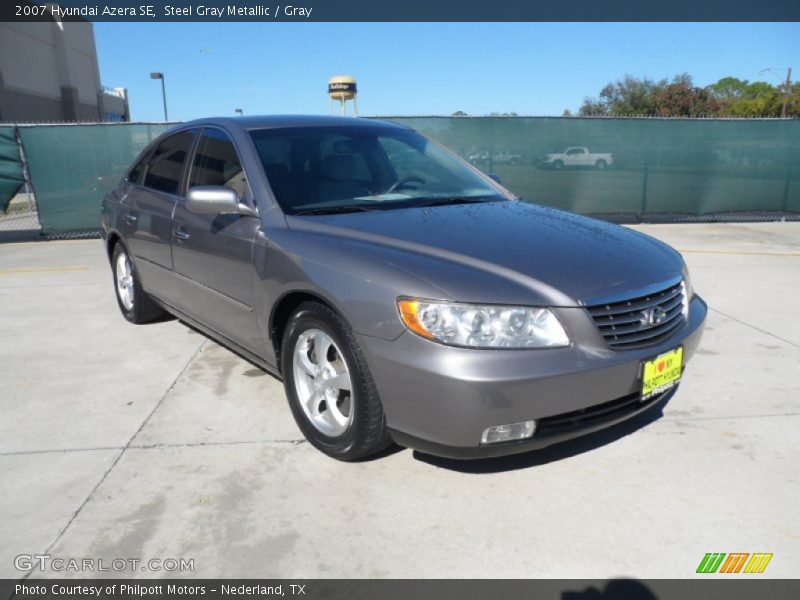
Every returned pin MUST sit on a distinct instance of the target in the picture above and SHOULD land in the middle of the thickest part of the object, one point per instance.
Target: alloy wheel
(322, 382)
(124, 277)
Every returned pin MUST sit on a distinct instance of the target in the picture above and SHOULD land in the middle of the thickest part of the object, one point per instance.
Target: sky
(211, 69)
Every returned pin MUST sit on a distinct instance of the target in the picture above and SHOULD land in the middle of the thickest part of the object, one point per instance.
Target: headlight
(477, 326)
(688, 292)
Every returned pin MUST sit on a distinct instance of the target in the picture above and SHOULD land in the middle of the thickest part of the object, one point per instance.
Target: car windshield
(317, 170)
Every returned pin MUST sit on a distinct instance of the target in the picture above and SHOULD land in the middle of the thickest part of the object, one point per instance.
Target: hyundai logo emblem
(653, 316)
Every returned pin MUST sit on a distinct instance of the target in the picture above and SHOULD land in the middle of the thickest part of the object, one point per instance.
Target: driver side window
(217, 163)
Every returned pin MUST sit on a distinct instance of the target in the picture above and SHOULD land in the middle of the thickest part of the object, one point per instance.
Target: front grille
(627, 325)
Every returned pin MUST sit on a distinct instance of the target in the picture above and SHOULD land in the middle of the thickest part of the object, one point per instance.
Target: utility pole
(786, 85)
(786, 90)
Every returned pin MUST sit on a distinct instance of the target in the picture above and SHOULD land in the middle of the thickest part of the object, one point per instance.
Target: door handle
(130, 217)
(181, 234)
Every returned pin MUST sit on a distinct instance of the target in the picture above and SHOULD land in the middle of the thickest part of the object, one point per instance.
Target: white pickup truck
(577, 156)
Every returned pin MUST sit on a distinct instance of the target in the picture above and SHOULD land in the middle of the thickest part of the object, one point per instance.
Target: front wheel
(330, 390)
(558, 165)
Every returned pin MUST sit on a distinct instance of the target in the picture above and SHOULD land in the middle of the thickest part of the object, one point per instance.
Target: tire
(600, 165)
(558, 165)
(345, 425)
(134, 303)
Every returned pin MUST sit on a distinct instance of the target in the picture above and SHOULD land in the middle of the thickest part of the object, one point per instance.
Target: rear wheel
(331, 392)
(600, 165)
(134, 303)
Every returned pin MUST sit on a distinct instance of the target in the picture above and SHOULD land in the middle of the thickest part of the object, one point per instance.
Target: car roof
(251, 122)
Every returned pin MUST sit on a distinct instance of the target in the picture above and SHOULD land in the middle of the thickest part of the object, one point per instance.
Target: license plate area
(661, 373)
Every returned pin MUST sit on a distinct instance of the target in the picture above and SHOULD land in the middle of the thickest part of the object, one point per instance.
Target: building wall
(115, 105)
(49, 72)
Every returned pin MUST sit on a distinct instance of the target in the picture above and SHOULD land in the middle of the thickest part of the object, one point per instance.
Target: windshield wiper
(330, 210)
(455, 200)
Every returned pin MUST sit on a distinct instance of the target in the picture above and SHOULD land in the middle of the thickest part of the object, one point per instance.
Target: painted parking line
(44, 270)
(738, 253)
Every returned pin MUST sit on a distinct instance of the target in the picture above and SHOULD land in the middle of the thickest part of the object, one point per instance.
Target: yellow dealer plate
(662, 373)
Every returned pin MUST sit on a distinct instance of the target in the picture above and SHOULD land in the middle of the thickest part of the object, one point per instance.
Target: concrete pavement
(147, 442)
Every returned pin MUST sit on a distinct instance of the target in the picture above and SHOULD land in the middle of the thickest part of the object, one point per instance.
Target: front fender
(361, 286)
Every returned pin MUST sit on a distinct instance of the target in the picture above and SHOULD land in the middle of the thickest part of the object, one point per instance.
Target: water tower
(342, 88)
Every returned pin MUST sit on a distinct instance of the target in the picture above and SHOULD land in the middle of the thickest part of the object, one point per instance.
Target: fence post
(644, 189)
(787, 182)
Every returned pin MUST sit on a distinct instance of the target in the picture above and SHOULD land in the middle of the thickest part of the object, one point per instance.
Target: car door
(212, 254)
(146, 211)
(571, 158)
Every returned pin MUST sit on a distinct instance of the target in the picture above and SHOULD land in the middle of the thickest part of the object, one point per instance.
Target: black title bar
(400, 10)
(705, 588)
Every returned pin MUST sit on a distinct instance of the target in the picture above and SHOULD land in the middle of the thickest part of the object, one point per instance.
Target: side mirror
(495, 177)
(215, 200)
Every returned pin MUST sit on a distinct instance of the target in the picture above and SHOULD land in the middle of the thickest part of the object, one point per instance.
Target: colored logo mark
(735, 562)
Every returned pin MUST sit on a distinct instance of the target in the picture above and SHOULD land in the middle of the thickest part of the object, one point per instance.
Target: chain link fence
(20, 219)
(72, 167)
(58, 174)
(18, 214)
(53, 177)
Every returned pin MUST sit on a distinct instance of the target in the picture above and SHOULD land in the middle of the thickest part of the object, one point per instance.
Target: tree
(793, 106)
(760, 99)
(682, 98)
(592, 107)
(460, 113)
(679, 97)
(628, 96)
(727, 89)
(742, 98)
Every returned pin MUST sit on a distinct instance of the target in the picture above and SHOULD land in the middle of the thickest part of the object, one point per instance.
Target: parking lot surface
(154, 442)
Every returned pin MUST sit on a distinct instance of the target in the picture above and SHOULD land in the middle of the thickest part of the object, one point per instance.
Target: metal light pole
(787, 85)
(163, 91)
(239, 111)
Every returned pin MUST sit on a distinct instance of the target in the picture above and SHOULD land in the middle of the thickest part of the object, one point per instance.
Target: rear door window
(165, 169)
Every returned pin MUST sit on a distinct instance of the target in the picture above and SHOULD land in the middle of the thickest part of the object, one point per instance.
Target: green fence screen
(643, 168)
(11, 177)
(73, 166)
(640, 167)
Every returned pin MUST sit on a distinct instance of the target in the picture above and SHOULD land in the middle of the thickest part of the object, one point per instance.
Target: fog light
(508, 433)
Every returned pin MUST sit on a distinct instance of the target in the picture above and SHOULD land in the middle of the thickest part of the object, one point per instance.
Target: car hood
(482, 250)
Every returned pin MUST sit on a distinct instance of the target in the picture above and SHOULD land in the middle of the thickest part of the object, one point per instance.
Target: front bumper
(440, 399)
